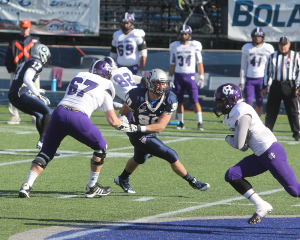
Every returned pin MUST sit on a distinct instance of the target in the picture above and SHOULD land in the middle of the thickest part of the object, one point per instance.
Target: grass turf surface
(204, 154)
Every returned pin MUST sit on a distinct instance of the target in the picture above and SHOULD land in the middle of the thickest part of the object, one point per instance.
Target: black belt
(71, 108)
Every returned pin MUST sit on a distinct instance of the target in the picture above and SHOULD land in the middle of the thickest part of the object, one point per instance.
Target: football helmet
(111, 62)
(184, 29)
(101, 68)
(229, 94)
(157, 75)
(257, 32)
(42, 52)
(125, 18)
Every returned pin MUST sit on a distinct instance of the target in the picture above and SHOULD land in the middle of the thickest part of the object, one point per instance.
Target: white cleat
(260, 213)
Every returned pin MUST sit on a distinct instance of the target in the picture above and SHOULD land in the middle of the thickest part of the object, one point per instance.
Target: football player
(87, 92)
(152, 109)
(254, 59)
(123, 81)
(128, 46)
(25, 96)
(249, 132)
(184, 54)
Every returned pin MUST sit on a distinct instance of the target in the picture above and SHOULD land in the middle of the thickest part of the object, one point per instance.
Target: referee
(283, 69)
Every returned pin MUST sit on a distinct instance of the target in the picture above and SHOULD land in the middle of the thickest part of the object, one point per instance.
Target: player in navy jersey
(87, 92)
(25, 96)
(152, 109)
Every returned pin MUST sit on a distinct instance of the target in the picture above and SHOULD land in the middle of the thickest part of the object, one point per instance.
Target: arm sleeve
(297, 69)
(243, 68)
(172, 57)
(28, 76)
(241, 132)
(108, 103)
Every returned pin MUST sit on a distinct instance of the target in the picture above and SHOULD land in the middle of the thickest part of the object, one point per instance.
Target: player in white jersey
(87, 92)
(250, 132)
(184, 54)
(128, 47)
(254, 59)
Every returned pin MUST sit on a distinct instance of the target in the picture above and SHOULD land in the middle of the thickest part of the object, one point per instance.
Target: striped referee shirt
(282, 67)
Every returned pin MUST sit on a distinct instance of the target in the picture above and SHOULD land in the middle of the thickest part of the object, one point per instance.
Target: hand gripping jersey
(88, 92)
(184, 57)
(127, 46)
(122, 81)
(254, 59)
(18, 80)
(262, 137)
(145, 112)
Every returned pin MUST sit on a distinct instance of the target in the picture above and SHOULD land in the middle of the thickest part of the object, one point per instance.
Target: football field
(57, 201)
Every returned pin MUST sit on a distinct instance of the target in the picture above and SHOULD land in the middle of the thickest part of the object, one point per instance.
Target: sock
(32, 176)
(180, 117)
(124, 175)
(93, 178)
(188, 177)
(254, 198)
(199, 117)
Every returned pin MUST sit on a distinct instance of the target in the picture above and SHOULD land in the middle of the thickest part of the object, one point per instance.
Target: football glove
(42, 91)
(123, 119)
(171, 82)
(124, 127)
(45, 100)
(200, 81)
(241, 86)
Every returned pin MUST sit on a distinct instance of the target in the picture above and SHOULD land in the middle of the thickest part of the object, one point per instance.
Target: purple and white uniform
(253, 64)
(128, 48)
(86, 93)
(123, 82)
(243, 121)
(185, 57)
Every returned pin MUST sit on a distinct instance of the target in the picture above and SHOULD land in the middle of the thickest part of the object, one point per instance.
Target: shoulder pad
(197, 44)
(174, 44)
(138, 33)
(117, 33)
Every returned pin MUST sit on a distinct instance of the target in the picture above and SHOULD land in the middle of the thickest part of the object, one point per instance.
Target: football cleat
(124, 184)
(99, 190)
(200, 127)
(39, 146)
(196, 184)
(180, 126)
(260, 214)
(24, 191)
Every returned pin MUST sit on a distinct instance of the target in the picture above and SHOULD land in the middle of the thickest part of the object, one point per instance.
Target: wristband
(141, 128)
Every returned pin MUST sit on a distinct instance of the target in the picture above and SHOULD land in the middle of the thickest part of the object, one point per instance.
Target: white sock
(180, 117)
(262, 207)
(93, 178)
(199, 117)
(32, 176)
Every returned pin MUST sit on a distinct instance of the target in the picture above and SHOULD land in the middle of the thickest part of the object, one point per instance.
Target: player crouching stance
(87, 92)
(152, 109)
(250, 132)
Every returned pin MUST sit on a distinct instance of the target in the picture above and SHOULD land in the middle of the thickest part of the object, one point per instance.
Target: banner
(48, 17)
(276, 17)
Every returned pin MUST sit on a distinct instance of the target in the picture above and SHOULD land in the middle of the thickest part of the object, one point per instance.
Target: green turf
(204, 154)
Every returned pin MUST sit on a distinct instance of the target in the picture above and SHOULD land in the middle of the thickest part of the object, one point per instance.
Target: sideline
(48, 232)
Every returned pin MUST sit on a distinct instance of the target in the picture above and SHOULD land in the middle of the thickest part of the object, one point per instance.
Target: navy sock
(124, 175)
(188, 177)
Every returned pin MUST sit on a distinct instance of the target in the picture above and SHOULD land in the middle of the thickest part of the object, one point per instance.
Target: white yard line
(144, 199)
(89, 153)
(168, 214)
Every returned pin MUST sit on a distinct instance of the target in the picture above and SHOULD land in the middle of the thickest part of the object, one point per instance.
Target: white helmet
(157, 75)
(42, 52)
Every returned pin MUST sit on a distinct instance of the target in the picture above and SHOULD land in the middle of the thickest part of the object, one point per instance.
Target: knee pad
(44, 160)
(100, 154)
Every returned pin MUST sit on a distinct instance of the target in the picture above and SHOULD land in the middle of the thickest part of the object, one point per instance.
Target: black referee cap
(284, 40)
